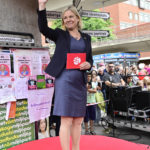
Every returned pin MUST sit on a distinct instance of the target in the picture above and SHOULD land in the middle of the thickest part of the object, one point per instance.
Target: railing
(132, 33)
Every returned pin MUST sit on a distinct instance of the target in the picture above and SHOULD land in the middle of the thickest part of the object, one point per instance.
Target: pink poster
(39, 103)
(4, 65)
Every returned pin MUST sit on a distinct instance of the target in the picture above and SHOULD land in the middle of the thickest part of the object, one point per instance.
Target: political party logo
(77, 60)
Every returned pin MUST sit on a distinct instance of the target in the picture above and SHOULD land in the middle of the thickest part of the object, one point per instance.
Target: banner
(15, 131)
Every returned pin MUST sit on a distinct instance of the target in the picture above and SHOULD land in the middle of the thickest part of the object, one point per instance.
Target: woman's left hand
(85, 66)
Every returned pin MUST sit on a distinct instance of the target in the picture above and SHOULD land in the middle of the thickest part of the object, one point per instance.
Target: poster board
(16, 131)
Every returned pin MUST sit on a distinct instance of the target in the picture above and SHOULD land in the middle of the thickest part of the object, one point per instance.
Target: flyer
(39, 103)
(7, 92)
(21, 88)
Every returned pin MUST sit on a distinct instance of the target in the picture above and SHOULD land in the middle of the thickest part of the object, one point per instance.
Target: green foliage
(56, 24)
(92, 24)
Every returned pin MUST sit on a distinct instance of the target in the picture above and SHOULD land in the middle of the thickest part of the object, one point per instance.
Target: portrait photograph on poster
(4, 70)
(32, 83)
(43, 68)
(42, 129)
(24, 70)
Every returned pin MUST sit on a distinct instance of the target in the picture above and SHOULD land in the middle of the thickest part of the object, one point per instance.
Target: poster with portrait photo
(45, 61)
(32, 83)
(4, 65)
(42, 129)
(24, 64)
(49, 81)
(40, 60)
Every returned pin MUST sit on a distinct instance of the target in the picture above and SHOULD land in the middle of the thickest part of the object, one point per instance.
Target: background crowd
(110, 75)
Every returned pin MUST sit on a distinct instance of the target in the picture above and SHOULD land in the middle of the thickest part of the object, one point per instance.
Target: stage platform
(88, 142)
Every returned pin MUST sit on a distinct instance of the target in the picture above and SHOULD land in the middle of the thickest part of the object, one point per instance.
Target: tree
(92, 24)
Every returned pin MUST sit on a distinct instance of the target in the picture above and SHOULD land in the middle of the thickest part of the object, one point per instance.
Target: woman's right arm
(42, 22)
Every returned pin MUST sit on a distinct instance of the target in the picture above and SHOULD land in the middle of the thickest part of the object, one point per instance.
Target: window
(144, 17)
(124, 25)
(130, 15)
(134, 2)
(127, 2)
(141, 17)
(136, 17)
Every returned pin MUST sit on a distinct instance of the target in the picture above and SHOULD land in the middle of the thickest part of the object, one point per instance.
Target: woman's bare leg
(76, 132)
(64, 133)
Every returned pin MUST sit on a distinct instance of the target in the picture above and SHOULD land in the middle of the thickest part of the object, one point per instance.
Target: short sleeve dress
(70, 88)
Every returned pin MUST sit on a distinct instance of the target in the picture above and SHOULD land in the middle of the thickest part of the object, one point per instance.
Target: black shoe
(92, 133)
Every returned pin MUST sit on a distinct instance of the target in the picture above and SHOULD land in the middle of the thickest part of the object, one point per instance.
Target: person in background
(112, 79)
(90, 110)
(70, 84)
(142, 71)
(134, 73)
(101, 74)
(129, 80)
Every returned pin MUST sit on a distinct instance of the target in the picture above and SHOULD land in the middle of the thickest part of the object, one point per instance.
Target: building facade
(130, 18)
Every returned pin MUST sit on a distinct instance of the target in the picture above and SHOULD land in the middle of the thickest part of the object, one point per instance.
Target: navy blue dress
(70, 89)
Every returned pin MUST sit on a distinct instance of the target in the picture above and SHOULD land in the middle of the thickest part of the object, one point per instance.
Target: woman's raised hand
(42, 4)
(43, 1)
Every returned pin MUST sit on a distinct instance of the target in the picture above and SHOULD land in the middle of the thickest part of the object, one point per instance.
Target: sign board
(76, 3)
(94, 14)
(83, 13)
(116, 56)
(98, 33)
(16, 131)
(53, 14)
(16, 40)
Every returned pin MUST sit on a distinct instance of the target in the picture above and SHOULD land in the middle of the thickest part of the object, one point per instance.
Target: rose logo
(76, 60)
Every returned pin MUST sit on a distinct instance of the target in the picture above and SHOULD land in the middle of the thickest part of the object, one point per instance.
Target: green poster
(16, 131)
(41, 83)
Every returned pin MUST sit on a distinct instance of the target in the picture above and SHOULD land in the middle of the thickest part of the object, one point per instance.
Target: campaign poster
(42, 128)
(5, 64)
(41, 83)
(36, 63)
(32, 83)
(45, 61)
(24, 64)
(49, 81)
(40, 60)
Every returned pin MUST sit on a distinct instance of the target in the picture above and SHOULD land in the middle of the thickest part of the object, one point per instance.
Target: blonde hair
(74, 10)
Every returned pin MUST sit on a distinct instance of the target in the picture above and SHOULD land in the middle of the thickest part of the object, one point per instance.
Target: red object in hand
(74, 60)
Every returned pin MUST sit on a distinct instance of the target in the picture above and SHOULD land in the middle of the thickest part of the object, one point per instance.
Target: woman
(70, 85)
